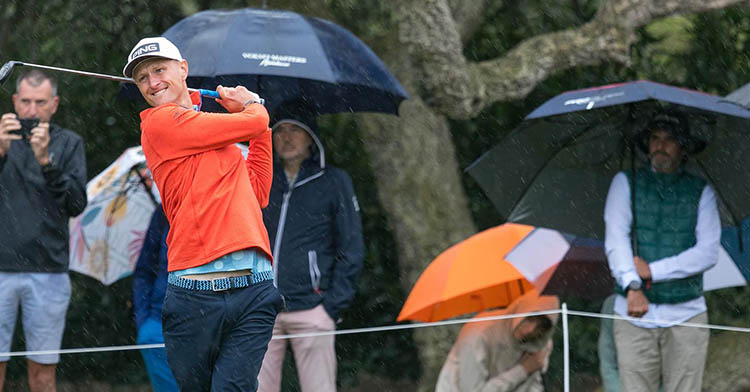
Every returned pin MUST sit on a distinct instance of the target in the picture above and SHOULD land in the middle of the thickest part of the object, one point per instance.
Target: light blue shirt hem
(243, 259)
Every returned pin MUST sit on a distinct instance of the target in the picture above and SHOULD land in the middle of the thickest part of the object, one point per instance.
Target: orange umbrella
(468, 277)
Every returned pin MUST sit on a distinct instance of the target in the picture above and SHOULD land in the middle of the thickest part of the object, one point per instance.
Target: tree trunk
(419, 186)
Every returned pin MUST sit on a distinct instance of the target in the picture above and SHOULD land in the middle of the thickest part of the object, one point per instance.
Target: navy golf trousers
(216, 341)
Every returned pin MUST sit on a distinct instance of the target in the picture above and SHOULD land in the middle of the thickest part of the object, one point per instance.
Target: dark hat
(676, 124)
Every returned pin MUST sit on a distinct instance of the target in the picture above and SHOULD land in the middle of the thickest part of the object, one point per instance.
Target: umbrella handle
(213, 94)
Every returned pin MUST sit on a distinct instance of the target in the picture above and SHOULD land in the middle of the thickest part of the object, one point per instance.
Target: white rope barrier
(659, 322)
(566, 349)
(83, 350)
(293, 336)
(415, 325)
(393, 328)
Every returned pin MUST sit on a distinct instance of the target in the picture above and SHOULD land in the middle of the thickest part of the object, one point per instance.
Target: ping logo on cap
(145, 49)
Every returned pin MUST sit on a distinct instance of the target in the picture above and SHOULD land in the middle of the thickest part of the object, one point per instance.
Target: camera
(27, 124)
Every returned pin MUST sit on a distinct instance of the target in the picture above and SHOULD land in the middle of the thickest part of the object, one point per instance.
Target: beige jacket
(485, 357)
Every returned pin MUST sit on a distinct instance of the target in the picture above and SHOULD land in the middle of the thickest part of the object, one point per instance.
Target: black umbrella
(285, 57)
(555, 169)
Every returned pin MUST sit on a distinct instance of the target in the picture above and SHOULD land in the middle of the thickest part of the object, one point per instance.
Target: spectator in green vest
(675, 222)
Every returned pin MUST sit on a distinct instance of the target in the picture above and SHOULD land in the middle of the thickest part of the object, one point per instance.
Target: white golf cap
(149, 48)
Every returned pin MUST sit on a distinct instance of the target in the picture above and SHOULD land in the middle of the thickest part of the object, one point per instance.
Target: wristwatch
(260, 101)
(634, 285)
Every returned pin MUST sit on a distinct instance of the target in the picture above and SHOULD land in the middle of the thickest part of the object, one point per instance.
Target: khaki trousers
(315, 357)
(675, 355)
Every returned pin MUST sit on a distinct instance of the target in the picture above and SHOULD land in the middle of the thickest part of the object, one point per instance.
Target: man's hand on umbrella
(234, 98)
(637, 303)
(641, 266)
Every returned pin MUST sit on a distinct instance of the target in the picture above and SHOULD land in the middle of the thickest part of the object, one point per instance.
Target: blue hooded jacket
(150, 276)
(315, 232)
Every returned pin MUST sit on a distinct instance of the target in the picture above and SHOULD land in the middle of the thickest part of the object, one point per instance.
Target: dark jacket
(35, 207)
(150, 276)
(316, 235)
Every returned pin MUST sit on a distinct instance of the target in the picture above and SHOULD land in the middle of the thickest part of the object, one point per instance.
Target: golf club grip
(209, 93)
(213, 94)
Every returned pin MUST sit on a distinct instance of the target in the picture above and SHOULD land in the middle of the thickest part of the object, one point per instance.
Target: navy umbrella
(285, 57)
(555, 169)
(634, 92)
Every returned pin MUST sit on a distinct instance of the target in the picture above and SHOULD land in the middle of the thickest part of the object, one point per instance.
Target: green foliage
(89, 36)
(720, 55)
(510, 22)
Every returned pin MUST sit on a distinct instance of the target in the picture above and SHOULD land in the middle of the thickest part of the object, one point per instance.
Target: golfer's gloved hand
(233, 98)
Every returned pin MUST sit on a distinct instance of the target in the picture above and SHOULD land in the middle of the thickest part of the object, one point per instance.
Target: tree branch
(459, 89)
(468, 16)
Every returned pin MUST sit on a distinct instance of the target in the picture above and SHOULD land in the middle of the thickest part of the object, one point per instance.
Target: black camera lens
(27, 124)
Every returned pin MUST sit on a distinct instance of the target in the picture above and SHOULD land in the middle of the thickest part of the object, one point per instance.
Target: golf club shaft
(84, 73)
(205, 93)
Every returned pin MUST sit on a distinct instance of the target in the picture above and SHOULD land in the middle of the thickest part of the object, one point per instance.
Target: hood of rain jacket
(486, 356)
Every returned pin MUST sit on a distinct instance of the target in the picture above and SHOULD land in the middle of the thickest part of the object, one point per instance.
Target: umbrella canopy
(584, 273)
(469, 277)
(106, 238)
(581, 272)
(555, 169)
(285, 56)
(741, 96)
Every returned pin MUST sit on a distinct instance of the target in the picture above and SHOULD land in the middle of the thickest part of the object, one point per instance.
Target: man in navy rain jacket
(316, 236)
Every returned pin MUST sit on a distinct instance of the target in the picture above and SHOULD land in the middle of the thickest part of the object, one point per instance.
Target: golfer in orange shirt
(220, 304)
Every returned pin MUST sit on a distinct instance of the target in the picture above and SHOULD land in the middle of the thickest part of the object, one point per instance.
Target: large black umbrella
(555, 169)
(285, 57)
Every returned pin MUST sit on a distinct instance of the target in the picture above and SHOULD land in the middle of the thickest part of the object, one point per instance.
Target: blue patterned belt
(220, 284)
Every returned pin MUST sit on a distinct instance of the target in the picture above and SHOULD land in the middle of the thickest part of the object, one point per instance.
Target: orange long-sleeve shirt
(212, 200)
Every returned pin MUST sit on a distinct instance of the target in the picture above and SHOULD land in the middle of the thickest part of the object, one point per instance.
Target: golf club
(8, 68)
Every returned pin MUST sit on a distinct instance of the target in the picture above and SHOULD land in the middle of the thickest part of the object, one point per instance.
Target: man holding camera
(42, 185)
